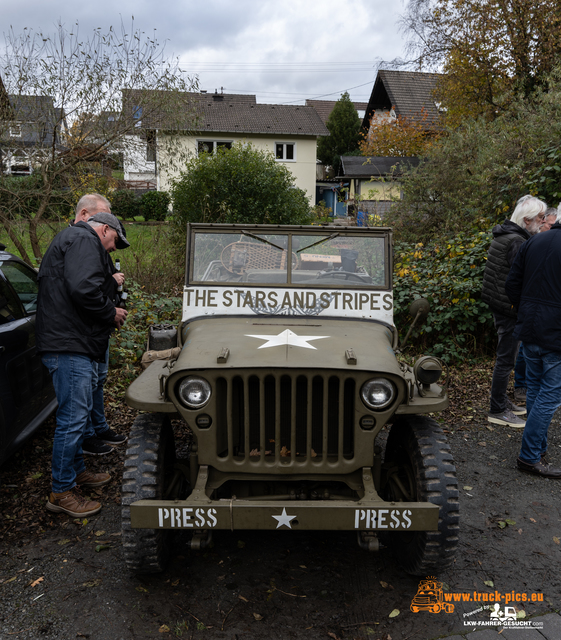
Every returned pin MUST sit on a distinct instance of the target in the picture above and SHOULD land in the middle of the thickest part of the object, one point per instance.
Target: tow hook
(200, 540)
(368, 540)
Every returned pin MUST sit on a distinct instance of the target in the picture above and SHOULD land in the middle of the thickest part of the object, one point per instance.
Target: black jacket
(75, 306)
(507, 240)
(533, 287)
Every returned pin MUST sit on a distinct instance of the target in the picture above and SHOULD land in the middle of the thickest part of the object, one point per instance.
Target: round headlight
(377, 393)
(194, 392)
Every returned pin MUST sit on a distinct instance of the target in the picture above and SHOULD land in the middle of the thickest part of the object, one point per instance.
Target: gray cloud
(282, 50)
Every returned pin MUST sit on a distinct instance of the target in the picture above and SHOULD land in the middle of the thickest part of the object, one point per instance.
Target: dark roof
(38, 117)
(408, 92)
(202, 113)
(362, 167)
(325, 107)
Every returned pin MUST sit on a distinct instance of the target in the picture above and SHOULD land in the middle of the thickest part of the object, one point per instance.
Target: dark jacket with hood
(507, 240)
(534, 288)
(75, 306)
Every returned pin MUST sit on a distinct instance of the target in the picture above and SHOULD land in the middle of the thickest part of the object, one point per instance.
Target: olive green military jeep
(286, 374)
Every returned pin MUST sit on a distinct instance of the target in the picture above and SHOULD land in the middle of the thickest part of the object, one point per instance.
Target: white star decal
(284, 519)
(287, 337)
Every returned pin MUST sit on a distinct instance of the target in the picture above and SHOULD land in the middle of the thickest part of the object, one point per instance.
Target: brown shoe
(72, 503)
(541, 468)
(91, 479)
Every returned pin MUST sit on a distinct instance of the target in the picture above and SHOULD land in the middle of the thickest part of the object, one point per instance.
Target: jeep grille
(295, 418)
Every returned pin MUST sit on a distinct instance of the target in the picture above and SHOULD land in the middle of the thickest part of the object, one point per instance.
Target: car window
(10, 308)
(24, 282)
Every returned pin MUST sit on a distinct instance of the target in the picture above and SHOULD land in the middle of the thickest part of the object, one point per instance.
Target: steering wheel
(336, 274)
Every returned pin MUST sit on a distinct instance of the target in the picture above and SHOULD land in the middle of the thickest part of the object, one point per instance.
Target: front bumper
(369, 513)
(305, 515)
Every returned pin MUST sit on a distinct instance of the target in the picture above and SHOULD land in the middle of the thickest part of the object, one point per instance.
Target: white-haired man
(98, 436)
(508, 237)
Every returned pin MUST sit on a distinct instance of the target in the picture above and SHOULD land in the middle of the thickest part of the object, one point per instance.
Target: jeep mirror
(418, 310)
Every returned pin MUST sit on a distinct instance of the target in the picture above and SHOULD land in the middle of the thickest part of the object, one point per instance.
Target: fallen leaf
(510, 522)
(520, 614)
(489, 583)
(332, 635)
(520, 531)
(482, 444)
(501, 524)
(102, 547)
(36, 582)
(257, 616)
(175, 583)
(242, 598)
(241, 544)
(467, 488)
(142, 589)
(532, 520)
(394, 613)
(9, 580)
(303, 566)
(92, 583)
(164, 629)
(99, 533)
(556, 539)
(61, 542)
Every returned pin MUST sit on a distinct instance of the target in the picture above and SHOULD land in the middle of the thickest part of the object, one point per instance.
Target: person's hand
(120, 317)
(119, 278)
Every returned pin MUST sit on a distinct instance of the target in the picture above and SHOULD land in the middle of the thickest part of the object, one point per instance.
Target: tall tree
(490, 50)
(59, 82)
(344, 128)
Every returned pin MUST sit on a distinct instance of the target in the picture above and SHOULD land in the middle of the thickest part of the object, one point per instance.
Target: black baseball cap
(111, 221)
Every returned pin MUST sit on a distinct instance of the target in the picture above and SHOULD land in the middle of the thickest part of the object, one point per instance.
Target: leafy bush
(154, 205)
(127, 345)
(449, 274)
(125, 204)
(238, 185)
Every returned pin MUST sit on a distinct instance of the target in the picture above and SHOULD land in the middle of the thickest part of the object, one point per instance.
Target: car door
(25, 385)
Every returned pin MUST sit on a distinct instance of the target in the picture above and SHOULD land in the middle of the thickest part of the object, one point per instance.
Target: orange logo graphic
(430, 597)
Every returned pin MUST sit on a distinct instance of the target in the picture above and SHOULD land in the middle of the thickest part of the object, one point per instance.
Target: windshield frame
(330, 232)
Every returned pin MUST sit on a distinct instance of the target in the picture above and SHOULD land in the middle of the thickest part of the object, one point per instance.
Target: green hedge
(448, 273)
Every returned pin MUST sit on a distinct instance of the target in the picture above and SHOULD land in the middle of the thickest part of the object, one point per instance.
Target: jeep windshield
(322, 258)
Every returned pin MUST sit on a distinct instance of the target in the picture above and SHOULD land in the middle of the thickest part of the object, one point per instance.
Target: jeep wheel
(148, 474)
(420, 468)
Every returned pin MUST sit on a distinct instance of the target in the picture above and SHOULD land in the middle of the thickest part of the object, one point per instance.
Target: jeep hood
(257, 342)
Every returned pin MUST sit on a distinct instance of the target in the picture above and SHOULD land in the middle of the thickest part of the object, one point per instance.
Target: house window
(15, 130)
(210, 146)
(151, 146)
(285, 151)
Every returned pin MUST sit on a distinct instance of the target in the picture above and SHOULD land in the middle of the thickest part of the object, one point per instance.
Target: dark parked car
(27, 397)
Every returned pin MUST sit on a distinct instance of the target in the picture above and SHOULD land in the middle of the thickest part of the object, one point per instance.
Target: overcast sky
(284, 51)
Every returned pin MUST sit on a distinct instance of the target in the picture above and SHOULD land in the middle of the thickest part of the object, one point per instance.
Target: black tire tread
(421, 438)
(145, 550)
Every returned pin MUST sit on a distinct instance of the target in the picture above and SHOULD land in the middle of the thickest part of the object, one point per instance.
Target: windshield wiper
(334, 235)
(246, 233)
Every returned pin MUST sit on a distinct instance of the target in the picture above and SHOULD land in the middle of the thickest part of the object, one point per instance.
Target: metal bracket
(368, 540)
(351, 356)
(370, 492)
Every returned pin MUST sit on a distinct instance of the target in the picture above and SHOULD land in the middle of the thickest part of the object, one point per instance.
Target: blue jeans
(97, 424)
(72, 380)
(543, 397)
(520, 369)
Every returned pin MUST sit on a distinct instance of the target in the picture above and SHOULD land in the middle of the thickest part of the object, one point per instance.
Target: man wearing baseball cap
(76, 313)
